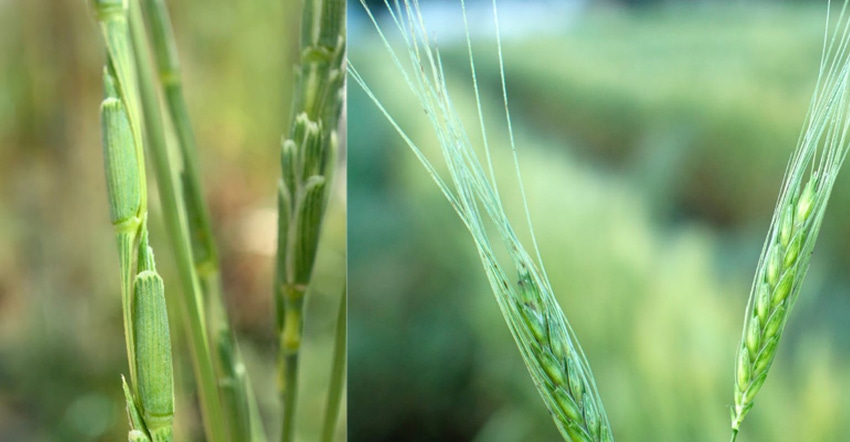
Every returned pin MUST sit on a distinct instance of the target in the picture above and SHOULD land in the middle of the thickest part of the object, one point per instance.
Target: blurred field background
(61, 343)
(653, 137)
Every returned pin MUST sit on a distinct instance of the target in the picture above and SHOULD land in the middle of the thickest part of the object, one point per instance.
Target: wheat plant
(548, 346)
(307, 164)
(546, 341)
(797, 219)
(142, 67)
(150, 395)
(228, 402)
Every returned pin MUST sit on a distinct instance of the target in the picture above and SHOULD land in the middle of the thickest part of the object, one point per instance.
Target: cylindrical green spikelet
(123, 184)
(153, 355)
(309, 225)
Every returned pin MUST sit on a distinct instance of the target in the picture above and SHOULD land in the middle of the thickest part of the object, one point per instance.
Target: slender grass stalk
(335, 388)
(307, 158)
(177, 230)
(237, 401)
(796, 222)
(150, 397)
(540, 329)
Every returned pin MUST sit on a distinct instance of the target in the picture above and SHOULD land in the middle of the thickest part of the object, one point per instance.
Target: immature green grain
(153, 347)
(796, 221)
(150, 397)
(123, 161)
(123, 186)
(549, 348)
(307, 160)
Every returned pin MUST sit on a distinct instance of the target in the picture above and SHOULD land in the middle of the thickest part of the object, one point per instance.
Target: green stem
(178, 233)
(290, 397)
(165, 51)
(290, 346)
(242, 416)
(335, 388)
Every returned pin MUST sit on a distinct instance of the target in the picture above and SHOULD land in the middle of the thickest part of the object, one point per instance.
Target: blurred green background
(61, 343)
(653, 141)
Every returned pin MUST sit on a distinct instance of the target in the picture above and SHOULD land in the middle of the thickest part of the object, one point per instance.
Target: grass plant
(150, 395)
(307, 160)
(230, 403)
(226, 399)
(548, 346)
(797, 219)
(540, 329)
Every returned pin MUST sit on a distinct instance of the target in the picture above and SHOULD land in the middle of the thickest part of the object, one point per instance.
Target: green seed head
(123, 184)
(153, 354)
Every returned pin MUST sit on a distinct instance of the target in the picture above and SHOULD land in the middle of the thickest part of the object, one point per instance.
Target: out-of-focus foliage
(61, 342)
(653, 145)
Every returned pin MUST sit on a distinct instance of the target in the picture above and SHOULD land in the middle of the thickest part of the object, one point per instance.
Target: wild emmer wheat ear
(150, 395)
(796, 220)
(548, 345)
